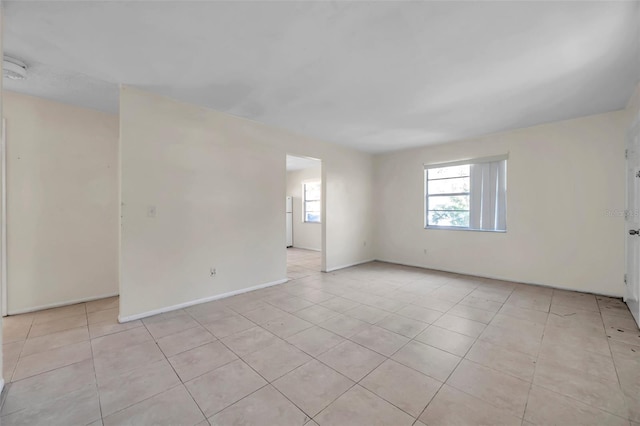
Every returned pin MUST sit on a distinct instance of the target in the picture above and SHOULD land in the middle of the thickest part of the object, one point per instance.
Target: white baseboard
(60, 304)
(335, 268)
(307, 248)
(557, 287)
(128, 318)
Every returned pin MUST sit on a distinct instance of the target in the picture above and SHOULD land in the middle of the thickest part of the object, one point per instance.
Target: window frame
(305, 201)
(425, 180)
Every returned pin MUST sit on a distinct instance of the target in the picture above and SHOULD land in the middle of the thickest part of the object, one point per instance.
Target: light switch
(151, 211)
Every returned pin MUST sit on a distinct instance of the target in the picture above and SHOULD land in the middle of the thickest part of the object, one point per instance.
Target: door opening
(304, 216)
(632, 215)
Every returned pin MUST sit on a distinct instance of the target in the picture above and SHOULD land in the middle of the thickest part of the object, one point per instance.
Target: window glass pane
(448, 218)
(448, 186)
(447, 172)
(312, 206)
(457, 202)
(312, 191)
(312, 217)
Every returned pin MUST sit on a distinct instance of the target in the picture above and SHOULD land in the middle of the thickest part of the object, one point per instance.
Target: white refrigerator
(289, 215)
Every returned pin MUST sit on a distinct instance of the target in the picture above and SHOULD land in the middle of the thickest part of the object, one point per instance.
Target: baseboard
(498, 278)
(335, 268)
(306, 248)
(60, 304)
(122, 319)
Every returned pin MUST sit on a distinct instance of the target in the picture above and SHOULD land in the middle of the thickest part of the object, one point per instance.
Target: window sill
(457, 228)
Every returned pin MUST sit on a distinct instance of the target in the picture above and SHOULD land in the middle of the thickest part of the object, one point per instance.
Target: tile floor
(377, 344)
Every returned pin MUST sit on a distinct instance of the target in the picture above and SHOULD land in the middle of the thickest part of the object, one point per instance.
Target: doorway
(304, 216)
(632, 276)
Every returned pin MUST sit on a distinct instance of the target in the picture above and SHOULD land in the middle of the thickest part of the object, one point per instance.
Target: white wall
(563, 179)
(62, 213)
(218, 183)
(305, 235)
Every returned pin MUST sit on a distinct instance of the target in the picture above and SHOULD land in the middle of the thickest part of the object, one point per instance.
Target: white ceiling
(376, 76)
(301, 163)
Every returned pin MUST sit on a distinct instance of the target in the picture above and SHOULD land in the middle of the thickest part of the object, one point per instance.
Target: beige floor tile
(172, 407)
(109, 363)
(49, 360)
(276, 360)
(534, 301)
(11, 353)
(344, 325)
(200, 360)
(450, 341)
(545, 407)
(74, 408)
(185, 340)
(560, 336)
(404, 387)
(359, 406)
(228, 325)
(315, 340)
(224, 386)
(291, 304)
(380, 340)
(585, 361)
(419, 313)
(110, 327)
(481, 303)
(123, 390)
(118, 341)
(460, 325)
(434, 304)
(16, 328)
(498, 389)
(339, 304)
(264, 314)
(367, 314)
(617, 321)
(502, 359)
(164, 327)
(55, 340)
(251, 340)
(525, 314)
(56, 325)
(471, 313)
(102, 304)
(287, 325)
(313, 386)
(103, 316)
(352, 360)
(631, 337)
(402, 325)
(592, 390)
(519, 325)
(37, 390)
(427, 359)
(209, 312)
(267, 406)
(453, 407)
(316, 314)
(520, 341)
(55, 314)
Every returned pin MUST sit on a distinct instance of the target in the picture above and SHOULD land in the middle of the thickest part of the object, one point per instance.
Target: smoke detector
(13, 68)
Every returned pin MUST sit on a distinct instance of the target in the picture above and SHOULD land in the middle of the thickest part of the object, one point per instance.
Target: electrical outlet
(212, 272)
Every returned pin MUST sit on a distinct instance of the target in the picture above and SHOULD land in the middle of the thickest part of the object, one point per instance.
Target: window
(469, 195)
(311, 201)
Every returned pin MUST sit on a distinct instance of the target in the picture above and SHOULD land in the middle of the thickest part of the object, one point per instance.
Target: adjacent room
(304, 216)
(320, 213)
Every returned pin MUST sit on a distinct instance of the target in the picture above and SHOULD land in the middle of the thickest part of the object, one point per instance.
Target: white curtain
(488, 204)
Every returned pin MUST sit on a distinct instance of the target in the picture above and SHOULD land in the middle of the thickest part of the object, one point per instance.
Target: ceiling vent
(13, 68)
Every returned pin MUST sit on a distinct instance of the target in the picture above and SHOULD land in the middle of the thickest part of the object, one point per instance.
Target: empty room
(333, 213)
